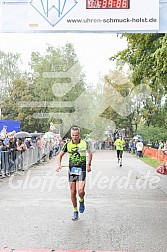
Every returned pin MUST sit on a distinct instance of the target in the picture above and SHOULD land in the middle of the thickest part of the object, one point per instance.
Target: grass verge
(151, 161)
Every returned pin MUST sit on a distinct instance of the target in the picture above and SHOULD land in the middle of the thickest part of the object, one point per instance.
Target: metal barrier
(16, 161)
(7, 163)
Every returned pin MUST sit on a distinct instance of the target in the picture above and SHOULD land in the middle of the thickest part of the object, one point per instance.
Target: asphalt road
(126, 209)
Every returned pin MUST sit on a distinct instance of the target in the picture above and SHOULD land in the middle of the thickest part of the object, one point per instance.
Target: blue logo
(53, 11)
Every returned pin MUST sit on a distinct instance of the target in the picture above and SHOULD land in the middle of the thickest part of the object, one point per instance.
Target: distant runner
(119, 144)
(78, 165)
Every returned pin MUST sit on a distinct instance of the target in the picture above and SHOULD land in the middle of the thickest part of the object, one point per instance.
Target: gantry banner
(79, 15)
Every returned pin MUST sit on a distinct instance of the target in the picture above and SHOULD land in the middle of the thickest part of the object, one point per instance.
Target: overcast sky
(93, 50)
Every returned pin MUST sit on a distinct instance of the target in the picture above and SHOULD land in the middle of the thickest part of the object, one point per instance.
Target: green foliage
(56, 62)
(19, 93)
(39, 89)
(9, 70)
(146, 55)
(153, 134)
(140, 55)
(117, 86)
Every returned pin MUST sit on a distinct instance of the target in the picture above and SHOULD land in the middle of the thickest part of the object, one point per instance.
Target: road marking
(54, 250)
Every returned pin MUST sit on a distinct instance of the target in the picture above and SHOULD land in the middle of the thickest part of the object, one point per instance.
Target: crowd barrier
(154, 153)
(16, 161)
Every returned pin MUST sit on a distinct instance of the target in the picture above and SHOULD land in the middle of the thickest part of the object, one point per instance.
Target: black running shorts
(75, 178)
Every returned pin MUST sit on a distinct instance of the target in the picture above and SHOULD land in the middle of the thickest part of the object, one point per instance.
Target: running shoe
(81, 207)
(75, 216)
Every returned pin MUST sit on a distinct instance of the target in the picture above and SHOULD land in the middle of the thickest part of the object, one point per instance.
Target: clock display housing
(108, 4)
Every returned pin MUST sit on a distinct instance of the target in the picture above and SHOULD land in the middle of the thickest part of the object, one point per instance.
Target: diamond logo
(53, 11)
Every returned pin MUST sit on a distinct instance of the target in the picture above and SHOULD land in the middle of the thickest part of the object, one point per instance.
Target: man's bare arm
(59, 158)
(89, 160)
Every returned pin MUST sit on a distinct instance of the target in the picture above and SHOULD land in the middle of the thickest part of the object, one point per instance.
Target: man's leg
(118, 152)
(73, 194)
(74, 199)
(121, 152)
(81, 189)
(81, 193)
(140, 154)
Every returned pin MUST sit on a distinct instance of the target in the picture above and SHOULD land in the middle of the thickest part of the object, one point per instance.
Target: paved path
(126, 208)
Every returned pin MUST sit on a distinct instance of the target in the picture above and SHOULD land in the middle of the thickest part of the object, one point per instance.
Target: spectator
(21, 147)
(165, 148)
(9, 163)
(3, 131)
(29, 144)
(156, 145)
(161, 145)
(165, 145)
(139, 148)
(1, 168)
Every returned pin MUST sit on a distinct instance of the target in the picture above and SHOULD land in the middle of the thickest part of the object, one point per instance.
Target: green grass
(151, 161)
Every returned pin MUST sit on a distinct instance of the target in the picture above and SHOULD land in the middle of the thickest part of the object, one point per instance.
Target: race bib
(76, 171)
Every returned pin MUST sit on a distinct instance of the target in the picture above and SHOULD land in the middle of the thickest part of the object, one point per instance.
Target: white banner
(79, 15)
(93, 15)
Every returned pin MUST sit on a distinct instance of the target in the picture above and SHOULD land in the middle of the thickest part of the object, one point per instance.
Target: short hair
(75, 128)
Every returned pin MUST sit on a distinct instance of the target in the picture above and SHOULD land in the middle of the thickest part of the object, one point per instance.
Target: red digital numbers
(107, 4)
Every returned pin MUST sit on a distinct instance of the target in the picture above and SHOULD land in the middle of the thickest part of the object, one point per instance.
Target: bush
(153, 134)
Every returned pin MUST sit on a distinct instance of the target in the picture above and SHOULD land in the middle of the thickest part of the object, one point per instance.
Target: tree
(58, 78)
(153, 134)
(146, 57)
(120, 106)
(9, 70)
(19, 92)
(36, 98)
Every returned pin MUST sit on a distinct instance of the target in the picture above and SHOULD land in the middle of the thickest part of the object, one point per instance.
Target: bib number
(76, 171)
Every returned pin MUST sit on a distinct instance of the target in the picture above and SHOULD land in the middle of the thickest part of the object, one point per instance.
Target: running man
(119, 144)
(78, 165)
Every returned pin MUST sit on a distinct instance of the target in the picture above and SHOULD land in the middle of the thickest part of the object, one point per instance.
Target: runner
(77, 149)
(119, 144)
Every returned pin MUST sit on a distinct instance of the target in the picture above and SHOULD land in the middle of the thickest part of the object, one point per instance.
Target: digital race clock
(107, 4)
